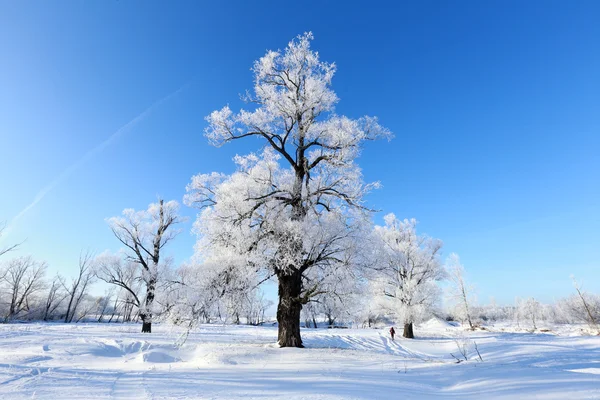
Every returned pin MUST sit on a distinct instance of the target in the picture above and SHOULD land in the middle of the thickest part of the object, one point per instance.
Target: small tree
(255, 306)
(460, 292)
(589, 307)
(407, 267)
(78, 286)
(529, 309)
(103, 304)
(339, 301)
(144, 234)
(198, 295)
(309, 313)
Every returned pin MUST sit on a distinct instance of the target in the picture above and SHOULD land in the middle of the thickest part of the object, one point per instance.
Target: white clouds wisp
(87, 156)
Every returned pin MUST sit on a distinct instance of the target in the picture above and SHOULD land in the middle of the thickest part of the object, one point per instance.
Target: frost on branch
(405, 271)
(294, 108)
(460, 292)
(295, 210)
(144, 234)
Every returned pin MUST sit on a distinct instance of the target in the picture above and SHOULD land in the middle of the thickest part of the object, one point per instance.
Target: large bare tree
(144, 234)
(291, 211)
(23, 278)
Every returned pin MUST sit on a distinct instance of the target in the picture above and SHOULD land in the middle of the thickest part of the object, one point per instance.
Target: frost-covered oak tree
(406, 268)
(144, 234)
(295, 210)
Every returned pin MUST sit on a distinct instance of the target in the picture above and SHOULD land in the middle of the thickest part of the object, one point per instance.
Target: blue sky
(495, 107)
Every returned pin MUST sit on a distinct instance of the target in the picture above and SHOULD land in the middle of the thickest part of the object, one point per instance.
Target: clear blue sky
(495, 107)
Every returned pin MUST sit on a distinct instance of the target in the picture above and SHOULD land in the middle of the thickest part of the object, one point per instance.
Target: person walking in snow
(392, 332)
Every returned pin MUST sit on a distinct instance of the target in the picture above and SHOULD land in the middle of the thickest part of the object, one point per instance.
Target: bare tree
(310, 314)
(78, 286)
(591, 314)
(103, 303)
(529, 309)
(87, 306)
(56, 296)
(115, 309)
(128, 307)
(23, 278)
(144, 234)
(460, 291)
(124, 274)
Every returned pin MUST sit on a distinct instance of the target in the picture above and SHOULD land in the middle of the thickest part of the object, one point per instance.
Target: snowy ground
(56, 361)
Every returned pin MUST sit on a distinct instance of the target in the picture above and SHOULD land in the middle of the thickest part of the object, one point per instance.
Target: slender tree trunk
(592, 319)
(68, 318)
(469, 319)
(288, 310)
(11, 311)
(468, 312)
(408, 331)
(114, 310)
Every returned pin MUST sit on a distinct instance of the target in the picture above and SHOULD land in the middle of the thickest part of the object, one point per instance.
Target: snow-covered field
(84, 361)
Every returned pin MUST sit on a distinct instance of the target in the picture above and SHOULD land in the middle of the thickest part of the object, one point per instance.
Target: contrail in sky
(87, 156)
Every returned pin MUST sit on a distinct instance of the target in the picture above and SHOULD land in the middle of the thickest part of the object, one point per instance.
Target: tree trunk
(470, 322)
(290, 285)
(69, 310)
(288, 310)
(468, 312)
(330, 321)
(146, 327)
(146, 316)
(408, 331)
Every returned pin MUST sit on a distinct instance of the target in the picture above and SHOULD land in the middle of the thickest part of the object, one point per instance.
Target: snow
(81, 361)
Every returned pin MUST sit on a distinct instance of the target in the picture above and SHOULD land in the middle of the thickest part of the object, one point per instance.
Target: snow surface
(83, 361)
